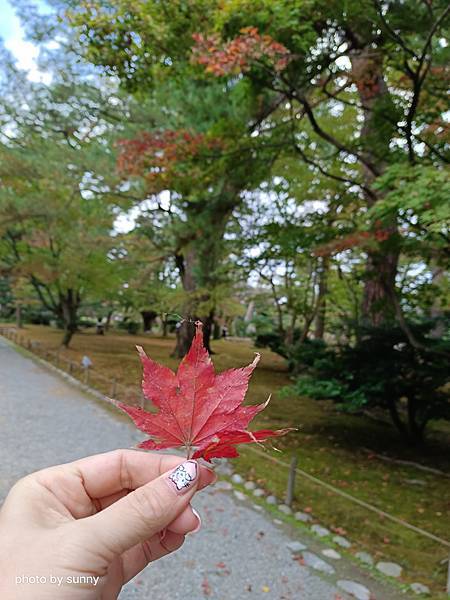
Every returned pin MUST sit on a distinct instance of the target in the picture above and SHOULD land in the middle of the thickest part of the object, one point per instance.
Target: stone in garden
(239, 495)
(416, 482)
(360, 592)
(257, 507)
(236, 478)
(315, 562)
(390, 569)
(224, 469)
(278, 522)
(341, 541)
(420, 588)
(258, 492)
(271, 500)
(287, 510)
(330, 553)
(250, 485)
(304, 517)
(365, 558)
(296, 546)
(320, 531)
(223, 485)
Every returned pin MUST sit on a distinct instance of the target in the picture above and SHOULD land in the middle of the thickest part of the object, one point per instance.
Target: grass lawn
(337, 448)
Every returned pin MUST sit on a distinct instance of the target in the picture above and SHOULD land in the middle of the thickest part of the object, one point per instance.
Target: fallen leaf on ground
(207, 591)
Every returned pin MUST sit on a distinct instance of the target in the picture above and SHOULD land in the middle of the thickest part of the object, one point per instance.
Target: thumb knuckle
(148, 504)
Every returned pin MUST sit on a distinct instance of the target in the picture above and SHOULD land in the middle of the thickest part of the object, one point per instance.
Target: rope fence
(85, 374)
(133, 395)
(386, 537)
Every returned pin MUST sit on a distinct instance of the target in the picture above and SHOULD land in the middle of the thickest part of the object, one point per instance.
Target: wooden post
(86, 375)
(448, 577)
(70, 366)
(291, 482)
(113, 388)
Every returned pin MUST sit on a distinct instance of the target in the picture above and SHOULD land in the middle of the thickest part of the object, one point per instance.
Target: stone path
(240, 552)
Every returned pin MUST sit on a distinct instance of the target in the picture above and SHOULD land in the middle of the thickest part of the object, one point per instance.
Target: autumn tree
(55, 203)
(194, 142)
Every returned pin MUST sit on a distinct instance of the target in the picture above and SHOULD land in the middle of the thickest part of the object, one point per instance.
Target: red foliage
(359, 238)
(158, 155)
(197, 408)
(239, 54)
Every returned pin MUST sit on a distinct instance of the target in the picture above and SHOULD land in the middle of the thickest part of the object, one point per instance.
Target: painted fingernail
(199, 524)
(184, 476)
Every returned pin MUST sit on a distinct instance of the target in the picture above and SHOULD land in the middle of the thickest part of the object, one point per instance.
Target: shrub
(382, 369)
(132, 327)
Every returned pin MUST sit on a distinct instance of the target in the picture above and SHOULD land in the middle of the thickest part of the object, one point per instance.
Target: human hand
(100, 519)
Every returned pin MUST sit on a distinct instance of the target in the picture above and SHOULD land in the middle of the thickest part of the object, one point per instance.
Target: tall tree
(55, 201)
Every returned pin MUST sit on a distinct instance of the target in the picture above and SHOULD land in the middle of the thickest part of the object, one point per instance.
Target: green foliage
(57, 196)
(328, 389)
(132, 327)
(419, 196)
(382, 369)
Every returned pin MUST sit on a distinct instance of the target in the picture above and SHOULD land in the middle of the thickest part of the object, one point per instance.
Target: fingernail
(184, 476)
(199, 524)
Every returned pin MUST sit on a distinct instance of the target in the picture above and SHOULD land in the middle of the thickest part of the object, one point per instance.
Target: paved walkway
(239, 553)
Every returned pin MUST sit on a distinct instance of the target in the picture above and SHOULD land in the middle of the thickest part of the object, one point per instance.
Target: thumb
(143, 512)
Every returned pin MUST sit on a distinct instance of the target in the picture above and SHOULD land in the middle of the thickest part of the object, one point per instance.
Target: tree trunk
(69, 307)
(108, 320)
(165, 324)
(393, 411)
(185, 335)
(186, 332)
(148, 318)
(186, 263)
(199, 255)
(380, 276)
(197, 265)
(290, 331)
(418, 417)
(375, 138)
(249, 312)
(217, 330)
(412, 427)
(19, 323)
(319, 328)
(437, 311)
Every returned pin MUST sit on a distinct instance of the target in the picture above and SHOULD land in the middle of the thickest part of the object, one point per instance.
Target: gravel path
(239, 553)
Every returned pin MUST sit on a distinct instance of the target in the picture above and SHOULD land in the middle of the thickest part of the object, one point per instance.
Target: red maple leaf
(198, 409)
